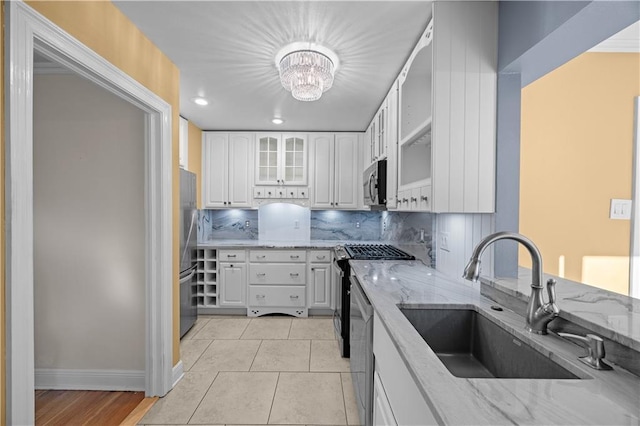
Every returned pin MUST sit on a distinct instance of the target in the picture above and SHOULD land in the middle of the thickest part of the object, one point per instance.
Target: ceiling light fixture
(306, 69)
(277, 120)
(201, 101)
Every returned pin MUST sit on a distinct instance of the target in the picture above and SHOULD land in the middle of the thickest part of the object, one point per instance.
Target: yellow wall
(195, 157)
(576, 154)
(102, 27)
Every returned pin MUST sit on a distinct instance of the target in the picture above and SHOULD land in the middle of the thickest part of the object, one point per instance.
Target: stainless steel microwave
(375, 184)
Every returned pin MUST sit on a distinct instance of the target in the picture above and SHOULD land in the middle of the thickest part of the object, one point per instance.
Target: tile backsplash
(405, 227)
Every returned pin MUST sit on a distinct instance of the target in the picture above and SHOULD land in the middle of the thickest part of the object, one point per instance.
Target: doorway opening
(29, 32)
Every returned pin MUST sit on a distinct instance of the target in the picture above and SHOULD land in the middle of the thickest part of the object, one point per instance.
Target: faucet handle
(551, 290)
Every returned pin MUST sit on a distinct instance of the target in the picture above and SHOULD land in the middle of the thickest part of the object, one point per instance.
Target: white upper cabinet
(184, 143)
(335, 171)
(392, 146)
(447, 106)
(227, 159)
(281, 159)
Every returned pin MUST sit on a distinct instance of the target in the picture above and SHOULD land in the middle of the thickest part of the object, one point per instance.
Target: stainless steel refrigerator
(188, 246)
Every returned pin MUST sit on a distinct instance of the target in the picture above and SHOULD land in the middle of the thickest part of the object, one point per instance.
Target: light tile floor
(259, 371)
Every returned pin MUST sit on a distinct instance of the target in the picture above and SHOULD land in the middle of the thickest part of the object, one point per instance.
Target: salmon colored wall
(195, 158)
(576, 154)
(102, 27)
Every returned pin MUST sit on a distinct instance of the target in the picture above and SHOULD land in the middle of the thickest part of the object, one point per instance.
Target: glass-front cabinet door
(268, 160)
(295, 160)
(281, 159)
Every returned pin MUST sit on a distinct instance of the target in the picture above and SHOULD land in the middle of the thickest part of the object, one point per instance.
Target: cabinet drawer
(231, 255)
(278, 256)
(281, 274)
(320, 256)
(280, 296)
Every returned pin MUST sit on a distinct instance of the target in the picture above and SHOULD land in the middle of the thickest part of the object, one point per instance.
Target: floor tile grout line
(344, 400)
(273, 399)
(255, 355)
(203, 396)
(200, 356)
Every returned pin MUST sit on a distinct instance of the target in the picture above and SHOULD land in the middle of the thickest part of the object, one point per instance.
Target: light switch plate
(620, 209)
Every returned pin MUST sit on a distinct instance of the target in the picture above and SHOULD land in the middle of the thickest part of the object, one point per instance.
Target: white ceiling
(225, 51)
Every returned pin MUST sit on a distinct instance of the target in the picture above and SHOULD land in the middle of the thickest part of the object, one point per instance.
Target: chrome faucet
(539, 314)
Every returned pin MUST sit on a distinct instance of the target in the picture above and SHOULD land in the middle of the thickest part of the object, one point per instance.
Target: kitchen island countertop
(600, 397)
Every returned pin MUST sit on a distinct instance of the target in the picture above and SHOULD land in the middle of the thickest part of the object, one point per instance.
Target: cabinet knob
(413, 199)
(225, 203)
(424, 198)
(404, 200)
(331, 203)
(336, 204)
(313, 269)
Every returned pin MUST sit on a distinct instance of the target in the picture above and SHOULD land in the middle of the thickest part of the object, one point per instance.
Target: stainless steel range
(342, 271)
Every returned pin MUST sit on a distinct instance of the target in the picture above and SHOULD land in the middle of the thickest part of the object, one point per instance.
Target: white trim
(28, 30)
(177, 373)
(617, 46)
(107, 380)
(634, 261)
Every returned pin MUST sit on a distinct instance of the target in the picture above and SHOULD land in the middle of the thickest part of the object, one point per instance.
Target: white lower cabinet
(404, 401)
(277, 282)
(233, 284)
(382, 412)
(319, 285)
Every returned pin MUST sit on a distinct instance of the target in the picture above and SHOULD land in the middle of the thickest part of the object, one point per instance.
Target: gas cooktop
(376, 252)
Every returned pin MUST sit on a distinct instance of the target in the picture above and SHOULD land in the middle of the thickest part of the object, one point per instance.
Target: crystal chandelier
(306, 70)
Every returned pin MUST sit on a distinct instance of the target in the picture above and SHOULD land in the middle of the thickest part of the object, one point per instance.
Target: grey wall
(89, 247)
(536, 37)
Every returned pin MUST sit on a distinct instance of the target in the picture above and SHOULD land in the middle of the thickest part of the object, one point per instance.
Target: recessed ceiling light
(201, 101)
(277, 120)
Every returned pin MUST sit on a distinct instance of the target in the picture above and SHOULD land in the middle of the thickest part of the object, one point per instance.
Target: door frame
(27, 30)
(634, 260)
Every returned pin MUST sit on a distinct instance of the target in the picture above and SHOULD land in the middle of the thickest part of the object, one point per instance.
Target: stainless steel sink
(472, 346)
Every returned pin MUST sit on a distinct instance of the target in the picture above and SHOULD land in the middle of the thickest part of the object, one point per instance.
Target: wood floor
(56, 407)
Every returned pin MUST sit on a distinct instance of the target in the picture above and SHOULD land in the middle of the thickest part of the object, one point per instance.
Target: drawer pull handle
(293, 297)
(231, 255)
(294, 257)
(260, 296)
(320, 257)
(261, 256)
(261, 274)
(414, 199)
(294, 275)
(424, 198)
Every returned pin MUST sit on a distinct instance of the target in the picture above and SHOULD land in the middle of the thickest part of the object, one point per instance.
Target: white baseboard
(177, 373)
(122, 380)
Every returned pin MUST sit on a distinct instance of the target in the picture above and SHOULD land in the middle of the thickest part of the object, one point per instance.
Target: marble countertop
(278, 244)
(601, 397)
(418, 250)
(608, 314)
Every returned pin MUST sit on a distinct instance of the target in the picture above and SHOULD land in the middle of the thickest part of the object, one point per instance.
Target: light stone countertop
(600, 397)
(418, 250)
(302, 244)
(608, 314)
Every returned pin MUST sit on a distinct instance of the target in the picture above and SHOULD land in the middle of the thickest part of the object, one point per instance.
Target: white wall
(463, 232)
(88, 227)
